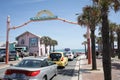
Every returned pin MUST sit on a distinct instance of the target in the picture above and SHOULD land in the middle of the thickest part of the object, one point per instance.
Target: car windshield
(12, 51)
(67, 52)
(55, 56)
(30, 63)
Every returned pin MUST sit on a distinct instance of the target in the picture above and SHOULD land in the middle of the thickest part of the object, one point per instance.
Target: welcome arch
(38, 17)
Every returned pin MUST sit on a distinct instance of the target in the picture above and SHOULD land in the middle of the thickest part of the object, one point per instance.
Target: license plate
(19, 76)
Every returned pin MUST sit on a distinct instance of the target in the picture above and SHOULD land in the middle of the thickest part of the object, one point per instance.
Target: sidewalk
(86, 72)
(89, 74)
(4, 65)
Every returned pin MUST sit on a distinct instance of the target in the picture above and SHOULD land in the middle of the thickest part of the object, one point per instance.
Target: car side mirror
(11, 64)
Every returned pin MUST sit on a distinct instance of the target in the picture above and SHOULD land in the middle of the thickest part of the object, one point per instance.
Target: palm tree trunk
(94, 67)
(111, 44)
(45, 49)
(50, 48)
(53, 48)
(118, 45)
(85, 49)
(105, 38)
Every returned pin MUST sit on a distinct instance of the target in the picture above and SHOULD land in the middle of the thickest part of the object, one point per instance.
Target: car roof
(35, 58)
(56, 52)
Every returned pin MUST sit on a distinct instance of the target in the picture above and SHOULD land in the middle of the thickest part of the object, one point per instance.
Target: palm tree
(104, 6)
(85, 45)
(50, 44)
(111, 30)
(99, 42)
(118, 39)
(46, 40)
(85, 36)
(90, 17)
(54, 43)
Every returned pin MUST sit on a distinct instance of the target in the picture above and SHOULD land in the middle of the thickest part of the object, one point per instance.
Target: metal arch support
(15, 27)
(67, 21)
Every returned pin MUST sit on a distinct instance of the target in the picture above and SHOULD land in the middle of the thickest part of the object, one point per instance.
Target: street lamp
(88, 43)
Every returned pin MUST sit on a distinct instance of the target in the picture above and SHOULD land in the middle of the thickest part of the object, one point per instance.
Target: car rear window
(12, 51)
(30, 63)
(55, 56)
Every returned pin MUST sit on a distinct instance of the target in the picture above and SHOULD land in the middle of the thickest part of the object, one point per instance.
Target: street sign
(43, 18)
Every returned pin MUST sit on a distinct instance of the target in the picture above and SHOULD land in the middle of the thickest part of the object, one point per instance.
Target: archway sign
(49, 16)
(39, 16)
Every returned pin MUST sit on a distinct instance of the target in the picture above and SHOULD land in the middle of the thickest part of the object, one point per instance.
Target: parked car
(31, 68)
(59, 58)
(12, 55)
(75, 54)
(70, 55)
(23, 53)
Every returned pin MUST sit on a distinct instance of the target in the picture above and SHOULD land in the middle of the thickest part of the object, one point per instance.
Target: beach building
(32, 43)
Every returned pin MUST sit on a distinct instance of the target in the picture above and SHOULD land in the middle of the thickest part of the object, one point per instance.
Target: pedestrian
(35, 54)
(17, 55)
(97, 54)
(22, 55)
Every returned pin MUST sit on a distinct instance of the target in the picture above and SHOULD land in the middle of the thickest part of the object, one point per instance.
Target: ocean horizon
(73, 50)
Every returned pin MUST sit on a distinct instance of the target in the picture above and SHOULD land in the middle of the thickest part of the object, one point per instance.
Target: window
(30, 63)
(55, 56)
(33, 42)
(22, 41)
(44, 63)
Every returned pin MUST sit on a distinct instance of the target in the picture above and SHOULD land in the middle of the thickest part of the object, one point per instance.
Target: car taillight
(8, 72)
(32, 73)
(27, 73)
(62, 58)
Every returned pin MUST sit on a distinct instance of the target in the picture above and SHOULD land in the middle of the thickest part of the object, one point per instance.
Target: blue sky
(67, 35)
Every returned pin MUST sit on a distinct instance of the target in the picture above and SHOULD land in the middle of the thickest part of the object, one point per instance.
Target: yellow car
(59, 58)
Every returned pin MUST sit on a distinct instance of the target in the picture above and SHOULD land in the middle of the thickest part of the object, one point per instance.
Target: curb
(77, 67)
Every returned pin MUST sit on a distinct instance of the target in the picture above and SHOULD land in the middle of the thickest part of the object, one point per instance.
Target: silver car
(32, 68)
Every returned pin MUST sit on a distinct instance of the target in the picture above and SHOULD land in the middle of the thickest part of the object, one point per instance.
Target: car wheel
(71, 59)
(56, 72)
(44, 78)
(4, 59)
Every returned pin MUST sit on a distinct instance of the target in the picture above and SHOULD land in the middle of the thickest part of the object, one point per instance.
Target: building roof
(26, 33)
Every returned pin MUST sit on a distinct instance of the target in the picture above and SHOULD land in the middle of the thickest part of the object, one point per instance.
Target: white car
(69, 54)
(35, 68)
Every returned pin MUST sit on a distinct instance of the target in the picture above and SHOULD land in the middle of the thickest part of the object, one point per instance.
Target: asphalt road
(68, 72)
(63, 73)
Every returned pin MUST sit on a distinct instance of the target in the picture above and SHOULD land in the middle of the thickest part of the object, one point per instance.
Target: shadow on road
(68, 72)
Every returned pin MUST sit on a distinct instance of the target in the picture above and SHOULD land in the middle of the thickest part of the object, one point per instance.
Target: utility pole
(7, 39)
